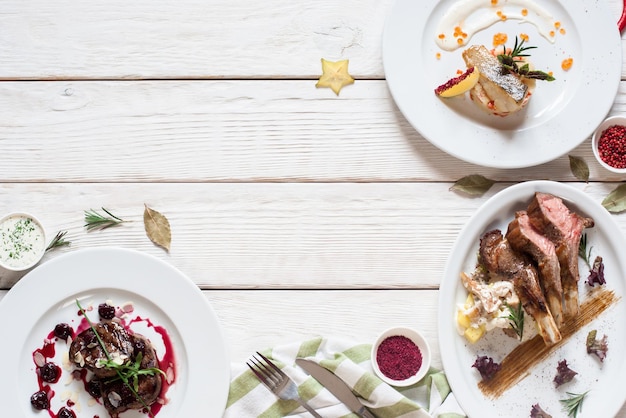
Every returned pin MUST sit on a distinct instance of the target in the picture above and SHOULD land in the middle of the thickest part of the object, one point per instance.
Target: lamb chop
(499, 258)
(524, 238)
(549, 215)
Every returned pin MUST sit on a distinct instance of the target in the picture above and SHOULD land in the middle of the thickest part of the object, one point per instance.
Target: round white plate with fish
(162, 297)
(601, 379)
(560, 115)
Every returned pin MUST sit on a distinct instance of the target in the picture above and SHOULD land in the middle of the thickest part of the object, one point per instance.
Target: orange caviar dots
(524, 12)
(459, 41)
(494, 2)
(562, 31)
(500, 39)
(459, 72)
(567, 63)
(523, 37)
(442, 35)
(501, 15)
(557, 24)
(552, 33)
(438, 55)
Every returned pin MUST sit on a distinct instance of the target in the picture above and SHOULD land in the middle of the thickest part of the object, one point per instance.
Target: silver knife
(336, 386)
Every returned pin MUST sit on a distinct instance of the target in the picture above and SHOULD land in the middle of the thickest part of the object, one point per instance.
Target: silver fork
(277, 381)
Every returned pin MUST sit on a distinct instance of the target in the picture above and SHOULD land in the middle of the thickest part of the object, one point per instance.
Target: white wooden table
(281, 196)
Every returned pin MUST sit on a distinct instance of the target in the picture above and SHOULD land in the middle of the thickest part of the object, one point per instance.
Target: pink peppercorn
(612, 146)
(398, 357)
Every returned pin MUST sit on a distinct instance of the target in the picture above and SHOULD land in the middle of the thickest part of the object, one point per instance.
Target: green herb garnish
(574, 404)
(510, 61)
(582, 250)
(127, 373)
(516, 319)
(95, 220)
(58, 241)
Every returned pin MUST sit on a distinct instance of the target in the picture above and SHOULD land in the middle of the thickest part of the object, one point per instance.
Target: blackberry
(66, 413)
(93, 388)
(50, 372)
(62, 331)
(106, 311)
(39, 400)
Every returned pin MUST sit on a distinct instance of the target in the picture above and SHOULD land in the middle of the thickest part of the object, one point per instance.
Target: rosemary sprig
(125, 373)
(574, 404)
(510, 61)
(95, 220)
(582, 250)
(58, 241)
(516, 319)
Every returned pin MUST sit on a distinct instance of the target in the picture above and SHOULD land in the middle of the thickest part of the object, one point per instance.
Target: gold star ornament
(335, 75)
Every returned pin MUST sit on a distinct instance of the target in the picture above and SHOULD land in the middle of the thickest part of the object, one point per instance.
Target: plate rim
(181, 284)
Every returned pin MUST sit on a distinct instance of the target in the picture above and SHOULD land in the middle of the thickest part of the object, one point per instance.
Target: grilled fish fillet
(498, 91)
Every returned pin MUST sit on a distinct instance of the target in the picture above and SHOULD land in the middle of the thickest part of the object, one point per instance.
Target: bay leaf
(616, 200)
(157, 228)
(474, 185)
(579, 168)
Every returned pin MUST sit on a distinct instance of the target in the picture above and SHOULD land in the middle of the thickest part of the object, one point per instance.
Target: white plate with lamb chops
(557, 118)
(152, 297)
(604, 380)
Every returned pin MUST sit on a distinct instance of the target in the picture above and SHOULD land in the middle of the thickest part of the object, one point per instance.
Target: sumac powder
(398, 357)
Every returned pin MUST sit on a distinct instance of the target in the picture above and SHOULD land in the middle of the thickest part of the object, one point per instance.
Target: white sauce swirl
(473, 16)
(22, 241)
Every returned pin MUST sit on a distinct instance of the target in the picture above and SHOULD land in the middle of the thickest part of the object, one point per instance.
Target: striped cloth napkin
(431, 397)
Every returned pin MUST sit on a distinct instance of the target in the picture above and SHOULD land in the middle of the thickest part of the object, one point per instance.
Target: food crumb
(567, 63)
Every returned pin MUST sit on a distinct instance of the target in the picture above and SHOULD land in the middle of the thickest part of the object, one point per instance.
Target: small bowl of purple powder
(401, 356)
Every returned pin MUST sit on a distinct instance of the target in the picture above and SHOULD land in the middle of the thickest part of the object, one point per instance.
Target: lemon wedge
(459, 85)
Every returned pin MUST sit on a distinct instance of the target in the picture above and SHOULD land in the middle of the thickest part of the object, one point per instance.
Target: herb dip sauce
(22, 241)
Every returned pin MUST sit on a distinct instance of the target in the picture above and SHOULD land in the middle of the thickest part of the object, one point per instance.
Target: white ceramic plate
(604, 380)
(560, 115)
(46, 296)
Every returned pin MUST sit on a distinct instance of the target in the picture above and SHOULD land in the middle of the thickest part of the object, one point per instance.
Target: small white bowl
(32, 232)
(595, 139)
(418, 340)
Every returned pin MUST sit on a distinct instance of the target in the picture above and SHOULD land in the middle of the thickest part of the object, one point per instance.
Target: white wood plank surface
(229, 131)
(275, 235)
(282, 197)
(192, 38)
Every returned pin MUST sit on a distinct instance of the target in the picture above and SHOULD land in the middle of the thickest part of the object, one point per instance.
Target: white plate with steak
(498, 234)
(147, 315)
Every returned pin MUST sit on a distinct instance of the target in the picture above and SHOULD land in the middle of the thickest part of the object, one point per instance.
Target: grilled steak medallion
(86, 352)
(123, 347)
(117, 397)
